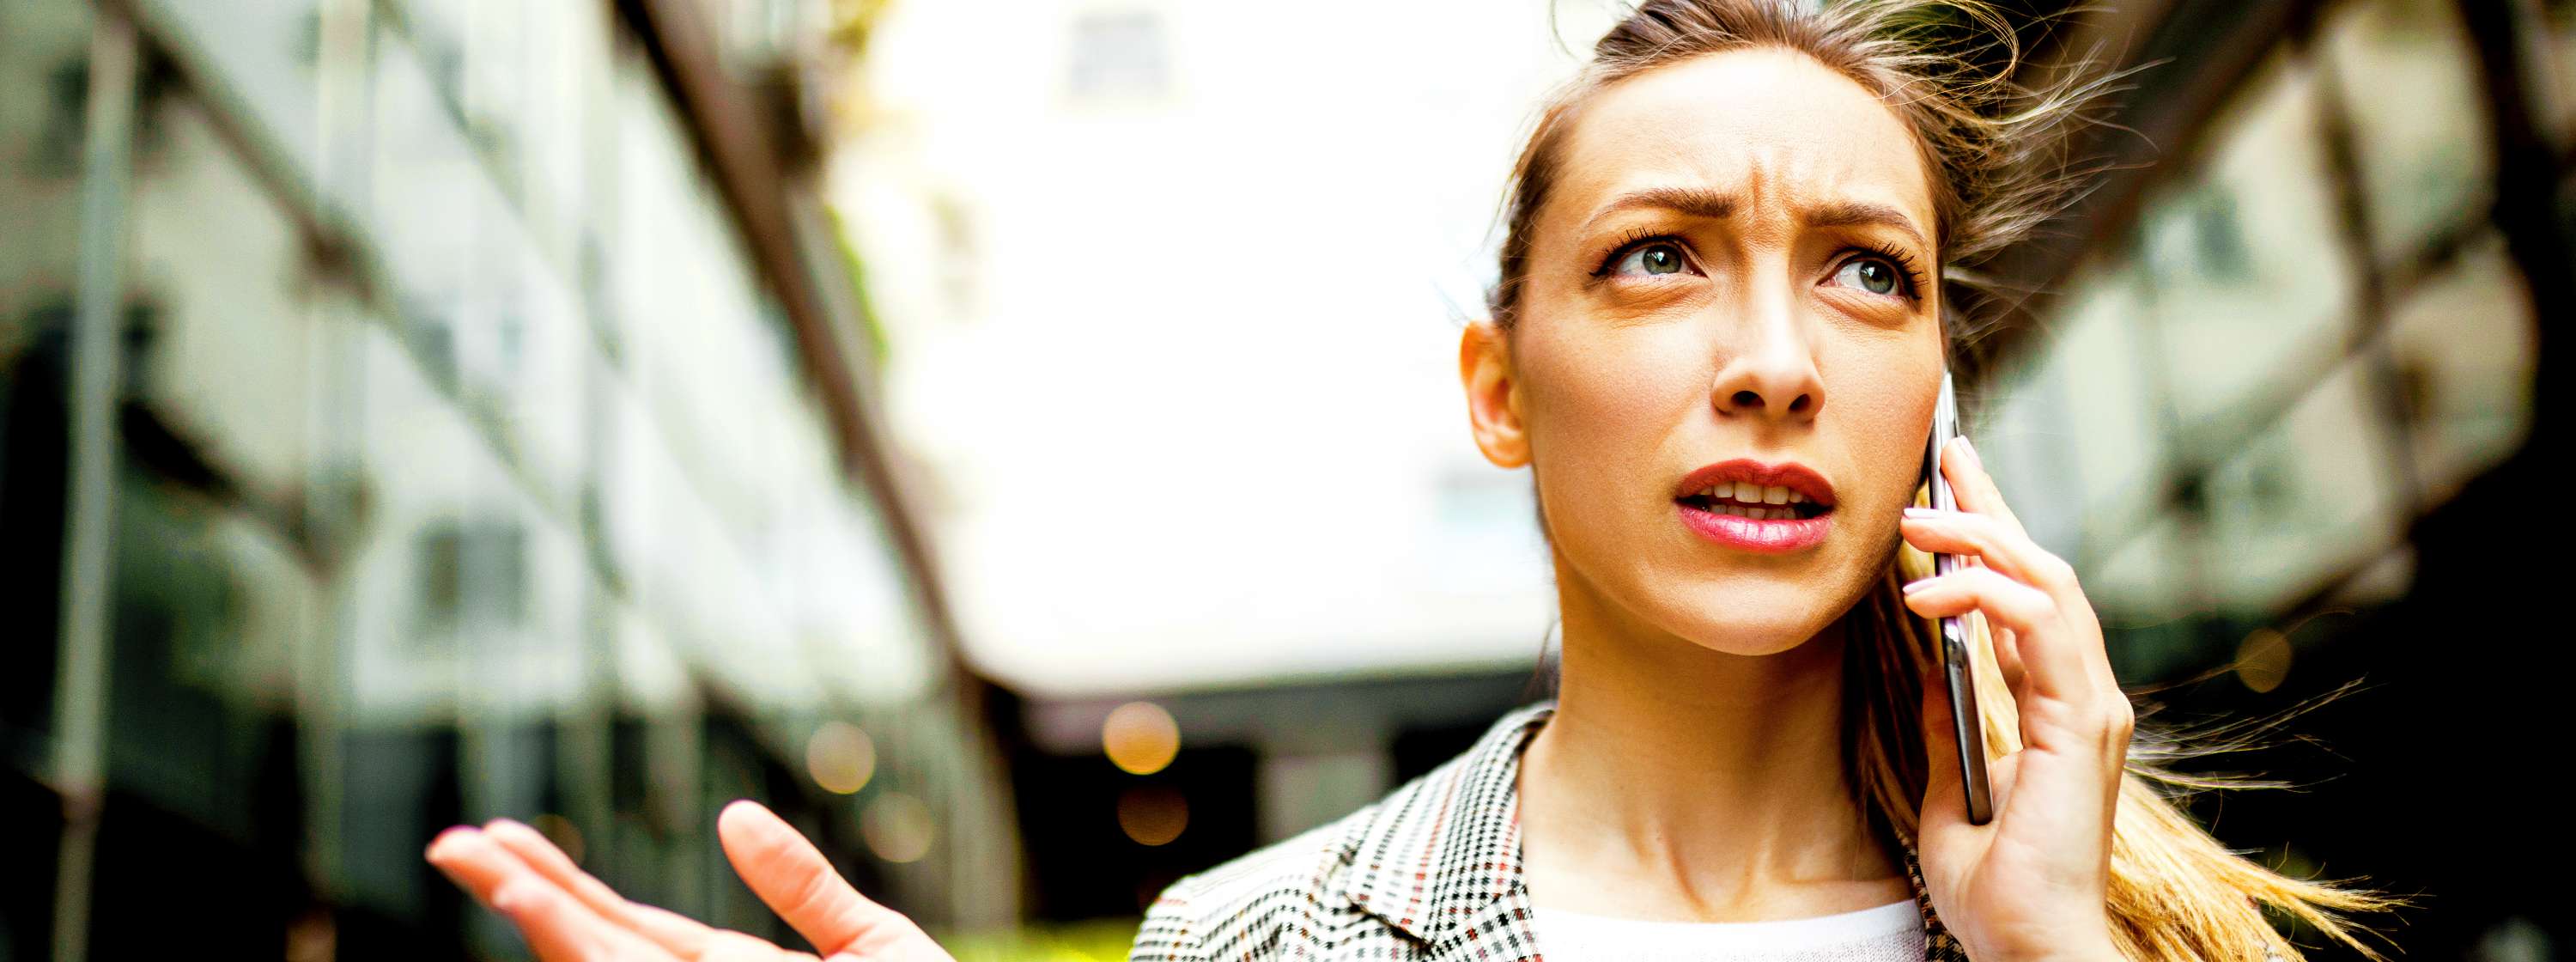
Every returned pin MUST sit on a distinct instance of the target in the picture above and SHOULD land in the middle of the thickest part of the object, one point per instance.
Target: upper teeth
(1750, 493)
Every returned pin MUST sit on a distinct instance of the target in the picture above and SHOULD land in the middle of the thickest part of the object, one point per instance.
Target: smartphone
(1965, 723)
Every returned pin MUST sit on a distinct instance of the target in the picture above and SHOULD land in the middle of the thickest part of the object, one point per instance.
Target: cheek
(1885, 405)
(1607, 397)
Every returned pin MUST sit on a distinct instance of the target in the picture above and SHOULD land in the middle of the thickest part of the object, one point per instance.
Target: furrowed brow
(1850, 213)
(1692, 201)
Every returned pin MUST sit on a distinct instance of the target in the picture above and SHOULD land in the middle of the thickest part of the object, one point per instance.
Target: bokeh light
(840, 757)
(898, 827)
(1153, 814)
(1140, 737)
(562, 832)
(2263, 659)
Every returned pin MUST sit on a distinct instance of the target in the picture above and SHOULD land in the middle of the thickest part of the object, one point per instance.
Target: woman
(1716, 340)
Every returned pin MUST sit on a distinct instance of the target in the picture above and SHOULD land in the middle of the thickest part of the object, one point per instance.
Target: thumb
(802, 887)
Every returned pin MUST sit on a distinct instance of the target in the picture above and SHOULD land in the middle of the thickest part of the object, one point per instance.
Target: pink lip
(1791, 475)
(1769, 535)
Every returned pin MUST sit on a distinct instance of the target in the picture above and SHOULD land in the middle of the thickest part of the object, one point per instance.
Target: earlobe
(1493, 396)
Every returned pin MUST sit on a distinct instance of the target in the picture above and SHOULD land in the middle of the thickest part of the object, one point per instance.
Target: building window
(471, 573)
(1119, 55)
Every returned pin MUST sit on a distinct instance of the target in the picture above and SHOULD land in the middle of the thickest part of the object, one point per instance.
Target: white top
(1888, 933)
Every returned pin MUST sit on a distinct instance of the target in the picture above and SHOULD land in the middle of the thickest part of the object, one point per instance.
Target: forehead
(1771, 126)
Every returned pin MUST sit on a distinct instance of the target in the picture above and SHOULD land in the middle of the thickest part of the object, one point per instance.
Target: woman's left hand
(2029, 884)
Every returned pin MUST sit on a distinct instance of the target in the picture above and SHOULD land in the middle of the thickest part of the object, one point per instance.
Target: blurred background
(1022, 445)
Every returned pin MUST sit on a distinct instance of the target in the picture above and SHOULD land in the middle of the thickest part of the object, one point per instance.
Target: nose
(1770, 371)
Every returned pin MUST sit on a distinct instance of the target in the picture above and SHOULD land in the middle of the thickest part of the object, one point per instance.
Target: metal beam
(89, 529)
(773, 211)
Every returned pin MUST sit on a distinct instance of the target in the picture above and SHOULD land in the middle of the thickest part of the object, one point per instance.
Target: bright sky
(1177, 343)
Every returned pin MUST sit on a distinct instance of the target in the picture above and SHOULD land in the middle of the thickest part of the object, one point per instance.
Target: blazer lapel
(1441, 861)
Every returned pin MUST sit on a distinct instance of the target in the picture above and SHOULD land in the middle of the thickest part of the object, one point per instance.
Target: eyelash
(1906, 267)
(1634, 239)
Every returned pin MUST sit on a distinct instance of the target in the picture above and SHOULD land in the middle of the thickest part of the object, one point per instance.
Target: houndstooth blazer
(1430, 873)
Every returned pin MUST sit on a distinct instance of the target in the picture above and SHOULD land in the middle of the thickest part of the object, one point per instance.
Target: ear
(1493, 395)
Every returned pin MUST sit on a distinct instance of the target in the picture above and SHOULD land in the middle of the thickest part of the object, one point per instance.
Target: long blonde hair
(1997, 152)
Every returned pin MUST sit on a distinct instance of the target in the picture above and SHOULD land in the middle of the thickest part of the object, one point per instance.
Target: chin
(1758, 612)
(1749, 605)
(1749, 616)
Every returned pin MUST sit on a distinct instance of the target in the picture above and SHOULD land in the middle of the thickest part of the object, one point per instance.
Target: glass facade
(2287, 406)
(2305, 335)
(464, 463)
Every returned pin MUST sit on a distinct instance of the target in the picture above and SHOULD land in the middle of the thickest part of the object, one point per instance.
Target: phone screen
(1965, 721)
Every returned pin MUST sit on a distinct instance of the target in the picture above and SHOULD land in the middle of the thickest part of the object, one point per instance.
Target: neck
(1713, 780)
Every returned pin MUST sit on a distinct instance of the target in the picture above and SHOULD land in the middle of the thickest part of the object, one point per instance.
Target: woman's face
(1729, 287)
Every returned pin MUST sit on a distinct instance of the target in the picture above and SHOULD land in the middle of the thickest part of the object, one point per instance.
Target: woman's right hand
(568, 916)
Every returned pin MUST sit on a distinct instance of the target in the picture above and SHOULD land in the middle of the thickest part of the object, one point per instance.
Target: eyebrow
(1849, 213)
(1694, 201)
(1718, 205)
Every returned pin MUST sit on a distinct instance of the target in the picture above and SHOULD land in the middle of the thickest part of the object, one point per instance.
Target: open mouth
(1744, 499)
(1751, 506)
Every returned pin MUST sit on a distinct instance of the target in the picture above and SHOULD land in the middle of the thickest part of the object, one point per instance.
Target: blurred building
(427, 411)
(2284, 395)
(415, 411)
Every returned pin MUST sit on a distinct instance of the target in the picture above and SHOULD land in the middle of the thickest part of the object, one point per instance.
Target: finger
(802, 887)
(2007, 648)
(2050, 661)
(682, 935)
(474, 862)
(1971, 486)
(557, 927)
(1991, 541)
(1997, 546)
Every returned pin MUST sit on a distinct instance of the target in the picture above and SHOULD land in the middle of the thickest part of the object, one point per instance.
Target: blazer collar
(1446, 848)
(1440, 859)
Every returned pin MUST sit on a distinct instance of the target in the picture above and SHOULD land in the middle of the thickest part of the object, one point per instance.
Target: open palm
(568, 916)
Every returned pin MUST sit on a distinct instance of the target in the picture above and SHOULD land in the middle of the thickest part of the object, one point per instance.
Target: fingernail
(1970, 448)
(1914, 512)
(1913, 586)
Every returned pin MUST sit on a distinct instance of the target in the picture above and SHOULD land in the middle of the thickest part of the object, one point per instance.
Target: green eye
(1652, 259)
(1869, 274)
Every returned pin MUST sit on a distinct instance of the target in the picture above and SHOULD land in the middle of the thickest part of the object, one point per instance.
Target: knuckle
(2051, 571)
(2038, 607)
(2056, 618)
(2118, 721)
